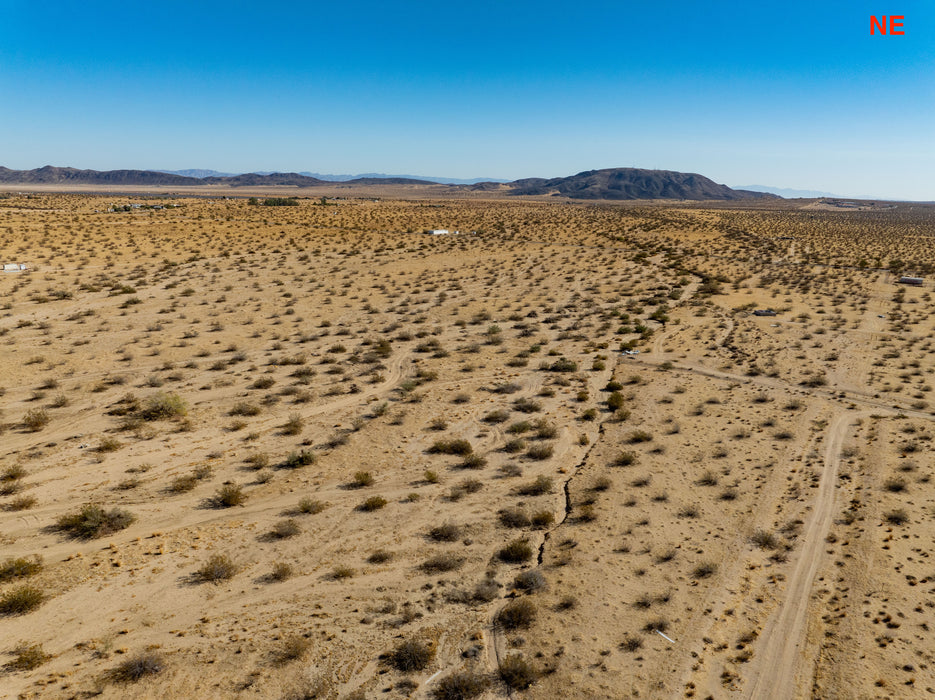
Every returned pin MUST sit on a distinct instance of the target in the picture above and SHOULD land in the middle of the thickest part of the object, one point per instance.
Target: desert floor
(311, 452)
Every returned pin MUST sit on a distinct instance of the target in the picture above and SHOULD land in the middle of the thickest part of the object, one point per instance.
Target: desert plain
(310, 451)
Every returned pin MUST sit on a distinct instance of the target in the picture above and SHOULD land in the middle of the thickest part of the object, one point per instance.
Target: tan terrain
(311, 452)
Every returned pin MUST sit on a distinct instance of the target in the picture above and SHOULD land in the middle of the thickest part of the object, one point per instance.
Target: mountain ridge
(607, 183)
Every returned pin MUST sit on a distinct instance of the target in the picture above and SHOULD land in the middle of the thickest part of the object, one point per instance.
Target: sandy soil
(395, 442)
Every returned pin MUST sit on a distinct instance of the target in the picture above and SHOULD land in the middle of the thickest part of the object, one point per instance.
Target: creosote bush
(517, 672)
(451, 447)
(228, 496)
(516, 552)
(412, 655)
(93, 521)
(519, 613)
(460, 685)
(218, 567)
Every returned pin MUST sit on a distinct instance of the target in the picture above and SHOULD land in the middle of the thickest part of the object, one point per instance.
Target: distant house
(10, 267)
(764, 312)
(437, 231)
(914, 281)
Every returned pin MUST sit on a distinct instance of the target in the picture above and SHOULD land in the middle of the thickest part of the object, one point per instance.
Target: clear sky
(789, 94)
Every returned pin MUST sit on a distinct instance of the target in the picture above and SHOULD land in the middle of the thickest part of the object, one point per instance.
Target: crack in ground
(566, 489)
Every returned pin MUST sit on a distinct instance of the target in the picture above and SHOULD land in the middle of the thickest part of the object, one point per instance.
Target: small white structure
(11, 267)
(914, 281)
(438, 232)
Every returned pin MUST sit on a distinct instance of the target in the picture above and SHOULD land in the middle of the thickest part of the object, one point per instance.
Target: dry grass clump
(896, 517)
(218, 567)
(147, 663)
(35, 420)
(20, 503)
(380, 556)
(704, 570)
(411, 655)
(310, 506)
(26, 657)
(20, 567)
(21, 600)
(441, 563)
(93, 521)
(292, 648)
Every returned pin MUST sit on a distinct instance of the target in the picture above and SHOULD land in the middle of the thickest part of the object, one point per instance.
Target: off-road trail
(778, 670)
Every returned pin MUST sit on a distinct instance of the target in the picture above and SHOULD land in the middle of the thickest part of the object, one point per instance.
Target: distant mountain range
(789, 193)
(609, 183)
(341, 178)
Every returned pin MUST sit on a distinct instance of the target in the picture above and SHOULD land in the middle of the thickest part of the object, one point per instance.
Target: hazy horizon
(804, 98)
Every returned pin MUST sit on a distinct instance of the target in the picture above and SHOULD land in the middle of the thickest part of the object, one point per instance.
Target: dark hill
(630, 183)
(50, 175)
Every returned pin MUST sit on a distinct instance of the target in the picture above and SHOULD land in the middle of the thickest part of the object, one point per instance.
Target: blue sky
(792, 94)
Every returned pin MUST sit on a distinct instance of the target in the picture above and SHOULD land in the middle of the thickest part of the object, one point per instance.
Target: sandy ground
(743, 509)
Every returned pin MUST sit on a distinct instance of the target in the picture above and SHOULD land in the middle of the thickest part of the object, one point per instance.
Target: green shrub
(372, 503)
(163, 406)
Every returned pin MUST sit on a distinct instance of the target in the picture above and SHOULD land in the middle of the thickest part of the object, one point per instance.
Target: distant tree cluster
(275, 202)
